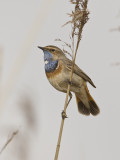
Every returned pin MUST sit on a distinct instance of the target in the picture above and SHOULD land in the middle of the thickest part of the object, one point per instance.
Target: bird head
(52, 53)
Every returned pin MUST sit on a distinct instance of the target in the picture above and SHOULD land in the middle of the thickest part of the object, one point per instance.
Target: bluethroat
(58, 69)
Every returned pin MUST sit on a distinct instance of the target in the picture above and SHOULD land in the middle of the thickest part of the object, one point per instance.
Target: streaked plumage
(58, 69)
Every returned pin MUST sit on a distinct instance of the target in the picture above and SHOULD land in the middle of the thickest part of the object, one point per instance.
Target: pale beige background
(23, 26)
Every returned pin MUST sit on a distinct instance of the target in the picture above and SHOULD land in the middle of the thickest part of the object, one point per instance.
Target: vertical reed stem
(83, 19)
(65, 107)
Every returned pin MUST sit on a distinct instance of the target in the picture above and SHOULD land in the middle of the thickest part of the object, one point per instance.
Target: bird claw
(64, 115)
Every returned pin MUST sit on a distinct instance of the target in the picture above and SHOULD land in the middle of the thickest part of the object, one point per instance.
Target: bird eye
(52, 50)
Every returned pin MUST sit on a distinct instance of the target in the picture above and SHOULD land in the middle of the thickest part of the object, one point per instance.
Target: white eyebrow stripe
(46, 62)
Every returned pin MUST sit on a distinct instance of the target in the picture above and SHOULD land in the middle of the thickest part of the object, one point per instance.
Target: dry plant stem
(9, 140)
(83, 20)
(65, 107)
(66, 100)
(62, 124)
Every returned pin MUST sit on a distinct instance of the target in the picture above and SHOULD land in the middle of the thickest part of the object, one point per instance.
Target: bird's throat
(50, 66)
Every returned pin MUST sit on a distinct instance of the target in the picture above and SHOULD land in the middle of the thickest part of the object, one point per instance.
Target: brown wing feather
(77, 70)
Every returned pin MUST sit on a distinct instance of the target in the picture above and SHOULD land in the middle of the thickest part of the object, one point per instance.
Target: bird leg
(63, 112)
(70, 95)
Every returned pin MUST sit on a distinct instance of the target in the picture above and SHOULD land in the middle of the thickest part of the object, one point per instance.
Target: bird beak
(43, 48)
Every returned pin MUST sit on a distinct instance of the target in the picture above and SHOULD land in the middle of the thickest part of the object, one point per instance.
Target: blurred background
(29, 104)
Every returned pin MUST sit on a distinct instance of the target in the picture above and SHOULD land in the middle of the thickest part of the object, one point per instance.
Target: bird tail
(86, 103)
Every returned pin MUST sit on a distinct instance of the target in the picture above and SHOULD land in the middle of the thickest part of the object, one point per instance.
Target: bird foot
(64, 115)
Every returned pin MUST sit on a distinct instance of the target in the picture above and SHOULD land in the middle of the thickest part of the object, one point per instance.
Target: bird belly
(61, 81)
(55, 82)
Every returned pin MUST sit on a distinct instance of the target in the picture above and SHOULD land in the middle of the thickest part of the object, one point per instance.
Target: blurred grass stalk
(25, 50)
(9, 140)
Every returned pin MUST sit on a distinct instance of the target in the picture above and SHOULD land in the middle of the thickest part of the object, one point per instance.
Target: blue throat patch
(47, 56)
(51, 65)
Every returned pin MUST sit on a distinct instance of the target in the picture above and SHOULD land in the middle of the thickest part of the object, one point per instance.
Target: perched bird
(58, 69)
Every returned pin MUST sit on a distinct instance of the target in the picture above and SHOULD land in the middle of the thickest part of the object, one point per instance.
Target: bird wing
(77, 70)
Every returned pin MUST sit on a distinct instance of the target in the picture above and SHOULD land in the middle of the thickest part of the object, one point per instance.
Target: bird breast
(55, 77)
